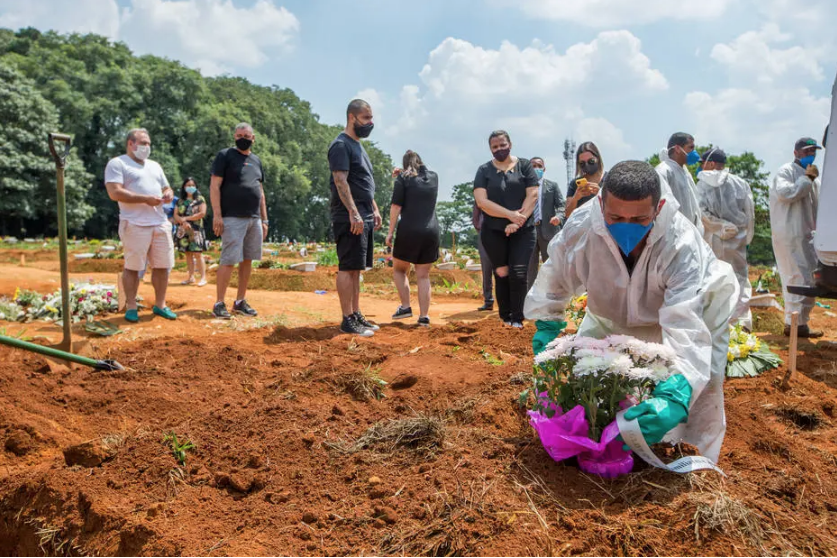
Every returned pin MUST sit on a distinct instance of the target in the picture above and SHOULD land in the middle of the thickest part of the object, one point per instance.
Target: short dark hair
(499, 134)
(679, 138)
(356, 107)
(632, 181)
(539, 159)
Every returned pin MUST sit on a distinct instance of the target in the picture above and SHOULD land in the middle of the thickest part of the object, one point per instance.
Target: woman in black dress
(589, 174)
(506, 190)
(417, 239)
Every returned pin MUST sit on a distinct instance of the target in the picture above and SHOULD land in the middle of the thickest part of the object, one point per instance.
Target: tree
(455, 216)
(27, 172)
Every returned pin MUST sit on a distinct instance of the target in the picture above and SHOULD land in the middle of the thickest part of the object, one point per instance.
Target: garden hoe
(62, 351)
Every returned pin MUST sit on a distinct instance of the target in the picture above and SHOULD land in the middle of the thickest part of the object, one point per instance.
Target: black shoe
(487, 307)
(804, 332)
(424, 322)
(352, 326)
(402, 313)
(365, 323)
(220, 311)
(244, 308)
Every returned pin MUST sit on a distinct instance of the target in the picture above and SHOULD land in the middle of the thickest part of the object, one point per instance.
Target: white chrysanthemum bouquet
(748, 355)
(581, 383)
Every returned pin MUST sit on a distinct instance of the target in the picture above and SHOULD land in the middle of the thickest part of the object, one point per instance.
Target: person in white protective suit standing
(649, 274)
(728, 212)
(794, 195)
(676, 176)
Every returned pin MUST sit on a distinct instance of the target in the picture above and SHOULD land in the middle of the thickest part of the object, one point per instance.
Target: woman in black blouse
(417, 242)
(589, 174)
(506, 190)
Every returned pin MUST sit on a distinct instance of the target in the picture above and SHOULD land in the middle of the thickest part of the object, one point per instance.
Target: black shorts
(416, 247)
(354, 251)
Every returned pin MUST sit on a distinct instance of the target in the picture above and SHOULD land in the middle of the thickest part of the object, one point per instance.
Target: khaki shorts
(144, 245)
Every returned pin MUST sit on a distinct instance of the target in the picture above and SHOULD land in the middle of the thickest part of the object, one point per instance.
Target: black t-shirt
(346, 154)
(506, 188)
(241, 189)
(572, 187)
(417, 197)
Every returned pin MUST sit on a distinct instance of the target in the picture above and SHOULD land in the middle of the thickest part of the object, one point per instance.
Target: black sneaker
(352, 326)
(487, 307)
(365, 323)
(402, 313)
(244, 308)
(424, 321)
(220, 311)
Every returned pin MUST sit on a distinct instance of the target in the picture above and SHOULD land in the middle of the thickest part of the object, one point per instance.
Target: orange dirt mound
(286, 462)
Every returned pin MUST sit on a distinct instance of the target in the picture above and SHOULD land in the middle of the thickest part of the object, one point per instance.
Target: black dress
(417, 235)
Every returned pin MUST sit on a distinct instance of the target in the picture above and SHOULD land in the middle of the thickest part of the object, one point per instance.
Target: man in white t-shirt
(141, 188)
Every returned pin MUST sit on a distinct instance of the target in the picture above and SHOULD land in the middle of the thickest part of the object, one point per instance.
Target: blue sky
(743, 74)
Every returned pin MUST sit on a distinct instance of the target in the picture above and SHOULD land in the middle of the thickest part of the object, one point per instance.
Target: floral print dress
(190, 236)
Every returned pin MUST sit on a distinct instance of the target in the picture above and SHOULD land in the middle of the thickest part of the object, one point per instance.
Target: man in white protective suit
(794, 195)
(649, 274)
(728, 212)
(676, 177)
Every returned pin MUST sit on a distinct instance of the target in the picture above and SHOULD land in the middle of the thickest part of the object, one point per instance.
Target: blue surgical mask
(191, 189)
(692, 157)
(805, 161)
(628, 235)
(539, 173)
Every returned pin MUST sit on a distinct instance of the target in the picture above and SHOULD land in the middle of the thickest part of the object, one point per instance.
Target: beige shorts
(144, 245)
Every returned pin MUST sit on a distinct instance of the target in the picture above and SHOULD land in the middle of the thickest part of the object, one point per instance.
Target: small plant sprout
(178, 448)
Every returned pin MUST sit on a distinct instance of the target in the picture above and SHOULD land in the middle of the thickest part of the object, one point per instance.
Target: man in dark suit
(549, 217)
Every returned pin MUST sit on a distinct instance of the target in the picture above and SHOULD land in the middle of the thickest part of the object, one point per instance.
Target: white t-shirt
(148, 179)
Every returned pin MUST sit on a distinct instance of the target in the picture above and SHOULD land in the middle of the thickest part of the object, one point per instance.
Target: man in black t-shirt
(354, 213)
(239, 216)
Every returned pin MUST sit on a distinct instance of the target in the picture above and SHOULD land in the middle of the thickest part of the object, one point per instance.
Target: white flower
(735, 351)
(589, 365)
(622, 364)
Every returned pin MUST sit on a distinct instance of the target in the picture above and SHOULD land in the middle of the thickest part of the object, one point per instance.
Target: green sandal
(164, 313)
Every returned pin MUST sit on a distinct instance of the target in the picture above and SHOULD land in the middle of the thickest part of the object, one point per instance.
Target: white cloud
(767, 103)
(79, 16)
(750, 57)
(213, 35)
(538, 94)
(619, 13)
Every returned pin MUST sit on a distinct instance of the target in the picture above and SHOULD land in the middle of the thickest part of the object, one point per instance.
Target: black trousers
(513, 251)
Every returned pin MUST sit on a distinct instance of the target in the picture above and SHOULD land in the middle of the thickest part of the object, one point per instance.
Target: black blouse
(572, 187)
(417, 197)
(507, 189)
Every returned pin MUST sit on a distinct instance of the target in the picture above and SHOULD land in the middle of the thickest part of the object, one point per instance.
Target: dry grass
(421, 433)
(716, 511)
(363, 385)
(51, 540)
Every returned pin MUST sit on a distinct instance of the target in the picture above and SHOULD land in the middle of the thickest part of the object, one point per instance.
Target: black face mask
(590, 167)
(502, 154)
(244, 143)
(363, 130)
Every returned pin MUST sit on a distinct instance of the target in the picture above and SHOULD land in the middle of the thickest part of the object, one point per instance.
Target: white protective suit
(793, 213)
(678, 180)
(728, 211)
(678, 294)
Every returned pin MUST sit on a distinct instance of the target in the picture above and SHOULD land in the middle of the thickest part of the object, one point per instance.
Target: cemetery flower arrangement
(577, 309)
(748, 355)
(86, 301)
(600, 375)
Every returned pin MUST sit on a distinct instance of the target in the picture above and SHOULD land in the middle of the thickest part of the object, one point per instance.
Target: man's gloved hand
(547, 331)
(668, 408)
(729, 231)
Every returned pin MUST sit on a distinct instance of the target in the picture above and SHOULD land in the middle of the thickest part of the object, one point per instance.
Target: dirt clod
(87, 454)
(404, 381)
(20, 443)
(386, 514)
(375, 480)
(309, 517)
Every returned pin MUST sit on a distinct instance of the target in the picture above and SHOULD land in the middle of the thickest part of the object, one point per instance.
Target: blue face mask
(805, 161)
(628, 235)
(539, 173)
(191, 189)
(693, 157)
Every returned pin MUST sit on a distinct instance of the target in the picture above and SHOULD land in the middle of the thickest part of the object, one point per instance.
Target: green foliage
(328, 258)
(178, 449)
(455, 217)
(96, 90)
(751, 169)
